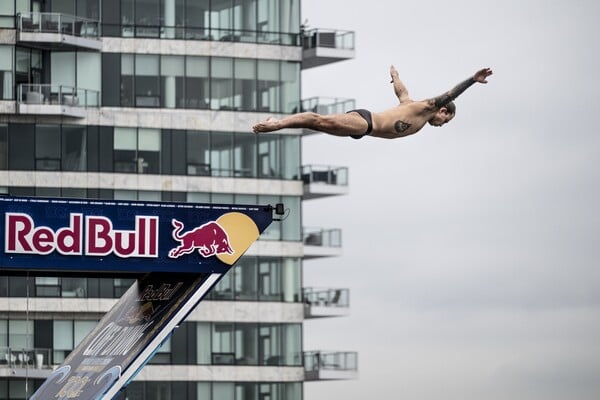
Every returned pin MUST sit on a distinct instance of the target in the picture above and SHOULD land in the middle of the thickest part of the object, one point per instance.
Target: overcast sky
(471, 251)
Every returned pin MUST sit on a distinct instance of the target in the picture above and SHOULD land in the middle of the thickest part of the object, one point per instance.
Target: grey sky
(471, 250)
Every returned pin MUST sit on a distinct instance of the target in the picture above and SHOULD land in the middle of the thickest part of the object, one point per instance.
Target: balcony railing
(322, 237)
(330, 38)
(326, 297)
(49, 94)
(320, 365)
(326, 105)
(25, 358)
(46, 22)
(325, 174)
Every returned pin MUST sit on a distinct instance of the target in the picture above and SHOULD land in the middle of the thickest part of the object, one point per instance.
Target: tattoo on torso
(401, 126)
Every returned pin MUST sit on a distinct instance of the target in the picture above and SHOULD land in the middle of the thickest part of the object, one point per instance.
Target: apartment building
(153, 100)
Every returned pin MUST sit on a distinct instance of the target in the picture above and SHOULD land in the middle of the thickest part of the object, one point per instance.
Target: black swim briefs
(366, 114)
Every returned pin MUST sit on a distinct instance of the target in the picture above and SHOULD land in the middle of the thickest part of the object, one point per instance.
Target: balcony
(320, 242)
(55, 31)
(319, 303)
(326, 46)
(320, 365)
(48, 99)
(21, 363)
(322, 181)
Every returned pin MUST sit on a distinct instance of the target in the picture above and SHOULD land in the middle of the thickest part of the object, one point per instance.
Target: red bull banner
(127, 336)
(125, 236)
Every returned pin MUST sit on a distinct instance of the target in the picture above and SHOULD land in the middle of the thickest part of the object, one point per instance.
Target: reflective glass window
(244, 155)
(147, 80)
(47, 148)
(74, 148)
(268, 85)
(127, 80)
(221, 154)
(221, 83)
(245, 84)
(198, 153)
(125, 150)
(148, 155)
(197, 82)
(172, 81)
(6, 71)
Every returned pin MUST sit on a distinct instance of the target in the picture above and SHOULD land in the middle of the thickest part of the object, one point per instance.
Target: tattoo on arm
(401, 126)
(447, 97)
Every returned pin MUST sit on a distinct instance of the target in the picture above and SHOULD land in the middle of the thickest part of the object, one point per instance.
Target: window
(291, 279)
(62, 71)
(290, 86)
(244, 155)
(223, 290)
(292, 229)
(47, 286)
(269, 280)
(127, 19)
(89, 77)
(245, 85)
(127, 78)
(268, 156)
(62, 340)
(125, 150)
(221, 83)
(269, 345)
(3, 146)
(221, 154)
(74, 287)
(47, 148)
(197, 19)
(221, 20)
(273, 232)
(7, 12)
(3, 333)
(6, 71)
(147, 18)
(203, 346)
(245, 277)
(198, 153)
(223, 391)
(148, 156)
(268, 86)
(223, 344)
(172, 81)
(67, 335)
(291, 340)
(147, 81)
(137, 150)
(74, 148)
(20, 334)
(246, 344)
(197, 82)
(245, 20)
(290, 152)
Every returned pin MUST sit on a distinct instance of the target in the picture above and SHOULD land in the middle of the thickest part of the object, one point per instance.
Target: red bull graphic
(209, 239)
(67, 235)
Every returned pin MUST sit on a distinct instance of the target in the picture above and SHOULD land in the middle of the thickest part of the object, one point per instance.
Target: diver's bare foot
(268, 125)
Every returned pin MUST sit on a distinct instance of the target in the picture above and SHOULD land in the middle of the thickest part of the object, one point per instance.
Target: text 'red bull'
(89, 235)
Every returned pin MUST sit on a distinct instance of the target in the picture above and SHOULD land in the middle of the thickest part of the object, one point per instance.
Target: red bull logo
(209, 239)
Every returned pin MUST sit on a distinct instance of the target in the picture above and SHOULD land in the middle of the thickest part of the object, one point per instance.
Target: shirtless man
(405, 119)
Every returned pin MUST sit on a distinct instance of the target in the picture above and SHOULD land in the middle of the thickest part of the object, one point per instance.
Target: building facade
(153, 100)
